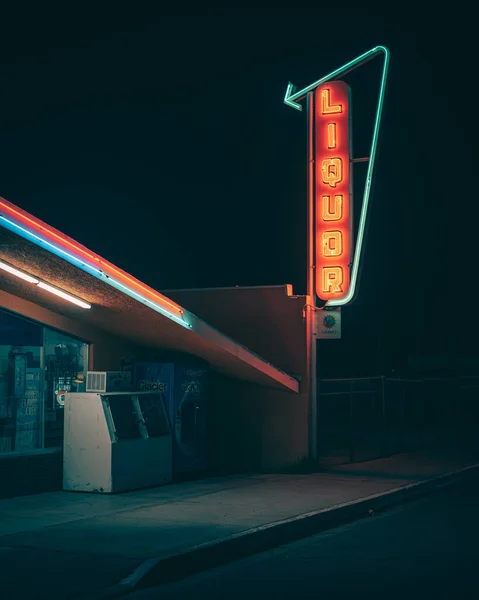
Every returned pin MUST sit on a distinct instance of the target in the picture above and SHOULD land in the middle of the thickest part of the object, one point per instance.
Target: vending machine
(185, 390)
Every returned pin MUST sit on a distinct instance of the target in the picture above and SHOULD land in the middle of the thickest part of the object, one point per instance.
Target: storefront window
(66, 363)
(37, 367)
(20, 380)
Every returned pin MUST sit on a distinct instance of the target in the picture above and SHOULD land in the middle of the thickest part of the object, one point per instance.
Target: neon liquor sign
(332, 188)
(293, 98)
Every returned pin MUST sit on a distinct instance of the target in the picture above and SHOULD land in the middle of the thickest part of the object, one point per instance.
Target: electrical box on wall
(108, 381)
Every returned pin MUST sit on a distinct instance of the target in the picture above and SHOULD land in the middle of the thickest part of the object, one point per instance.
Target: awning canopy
(120, 304)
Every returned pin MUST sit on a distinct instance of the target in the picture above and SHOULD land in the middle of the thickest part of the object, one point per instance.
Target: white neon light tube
(64, 295)
(17, 273)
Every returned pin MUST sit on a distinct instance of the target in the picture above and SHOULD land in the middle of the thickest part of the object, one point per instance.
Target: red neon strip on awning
(52, 235)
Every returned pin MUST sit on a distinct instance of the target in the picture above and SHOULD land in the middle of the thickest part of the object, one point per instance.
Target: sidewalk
(63, 545)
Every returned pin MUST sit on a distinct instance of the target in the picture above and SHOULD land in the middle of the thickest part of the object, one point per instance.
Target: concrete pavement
(93, 546)
(422, 550)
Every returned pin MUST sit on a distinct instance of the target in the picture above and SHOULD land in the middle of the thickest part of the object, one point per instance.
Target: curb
(158, 571)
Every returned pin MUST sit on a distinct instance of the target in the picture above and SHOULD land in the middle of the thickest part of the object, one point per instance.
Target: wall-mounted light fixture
(17, 273)
(62, 294)
(43, 285)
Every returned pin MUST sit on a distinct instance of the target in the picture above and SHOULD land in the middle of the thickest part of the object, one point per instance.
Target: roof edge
(37, 232)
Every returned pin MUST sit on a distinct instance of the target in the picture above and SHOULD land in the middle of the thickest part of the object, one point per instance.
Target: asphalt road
(426, 549)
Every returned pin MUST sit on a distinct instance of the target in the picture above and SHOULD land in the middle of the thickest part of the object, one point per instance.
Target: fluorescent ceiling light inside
(17, 273)
(64, 295)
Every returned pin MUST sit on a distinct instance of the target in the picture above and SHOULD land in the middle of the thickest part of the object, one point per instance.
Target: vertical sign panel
(333, 223)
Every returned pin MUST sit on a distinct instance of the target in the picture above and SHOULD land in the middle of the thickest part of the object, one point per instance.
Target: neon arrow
(291, 99)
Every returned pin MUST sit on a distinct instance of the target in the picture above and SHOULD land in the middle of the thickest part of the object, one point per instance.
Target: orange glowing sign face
(332, 190)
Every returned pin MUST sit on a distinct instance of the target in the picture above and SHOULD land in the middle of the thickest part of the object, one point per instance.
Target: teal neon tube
(291, 99)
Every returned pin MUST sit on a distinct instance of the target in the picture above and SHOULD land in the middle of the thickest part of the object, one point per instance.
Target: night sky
(160, 140)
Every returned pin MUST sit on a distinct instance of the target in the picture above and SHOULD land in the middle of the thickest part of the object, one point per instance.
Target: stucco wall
(256, 427)
(236, 426)
(265, 319)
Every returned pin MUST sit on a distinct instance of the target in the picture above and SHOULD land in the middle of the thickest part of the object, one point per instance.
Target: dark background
(159, 139)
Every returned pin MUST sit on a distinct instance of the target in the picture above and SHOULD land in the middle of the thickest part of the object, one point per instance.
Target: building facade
(64, 310)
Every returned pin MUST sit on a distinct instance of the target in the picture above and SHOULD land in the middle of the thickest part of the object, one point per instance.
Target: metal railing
(372, 417)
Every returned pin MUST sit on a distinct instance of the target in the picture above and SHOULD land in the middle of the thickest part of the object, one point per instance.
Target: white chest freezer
(115, 442)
